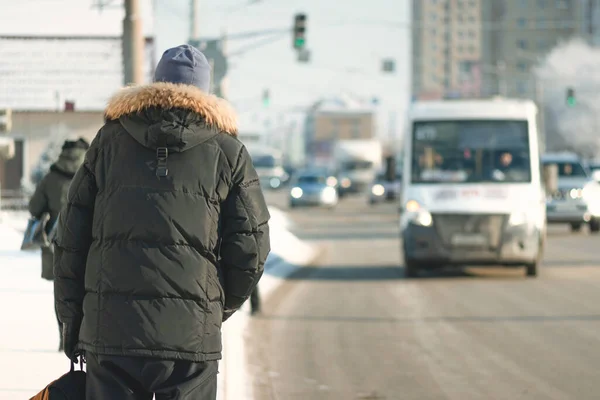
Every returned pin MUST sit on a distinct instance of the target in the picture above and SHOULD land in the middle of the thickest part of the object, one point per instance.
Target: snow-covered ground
(29, 357)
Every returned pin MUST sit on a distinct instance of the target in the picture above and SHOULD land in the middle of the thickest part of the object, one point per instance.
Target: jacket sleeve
(72, 243)
(245, 234)
(38, 204)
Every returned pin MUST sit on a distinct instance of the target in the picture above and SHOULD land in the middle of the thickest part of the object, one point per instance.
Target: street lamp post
(539, 96)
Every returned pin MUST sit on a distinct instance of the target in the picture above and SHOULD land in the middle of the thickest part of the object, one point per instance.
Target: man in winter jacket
(163, 238)
(51, 196)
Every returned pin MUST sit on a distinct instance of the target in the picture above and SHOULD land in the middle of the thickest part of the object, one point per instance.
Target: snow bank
(29, 356)
(284, 244)
(287, 254)
(28, 348)
(12, 227)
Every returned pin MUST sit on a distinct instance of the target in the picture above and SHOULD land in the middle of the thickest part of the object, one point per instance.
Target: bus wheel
(532, 269)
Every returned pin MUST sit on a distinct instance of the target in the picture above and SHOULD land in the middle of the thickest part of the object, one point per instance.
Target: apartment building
(447, 48)
(517, 33)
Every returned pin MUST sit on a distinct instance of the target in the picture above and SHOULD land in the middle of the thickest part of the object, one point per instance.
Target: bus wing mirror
(550, 172)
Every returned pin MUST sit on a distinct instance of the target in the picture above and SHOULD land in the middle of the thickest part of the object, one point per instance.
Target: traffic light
(571, 101)
(266, 97)
(388, 65)
(299, 39)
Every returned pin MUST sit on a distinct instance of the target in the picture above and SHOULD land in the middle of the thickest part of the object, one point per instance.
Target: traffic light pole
(194, 32)
(133, 44)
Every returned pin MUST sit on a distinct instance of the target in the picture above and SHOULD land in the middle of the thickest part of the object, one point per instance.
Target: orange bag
(70, 386)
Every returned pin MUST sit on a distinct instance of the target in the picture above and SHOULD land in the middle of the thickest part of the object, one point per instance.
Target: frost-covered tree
(575, 65)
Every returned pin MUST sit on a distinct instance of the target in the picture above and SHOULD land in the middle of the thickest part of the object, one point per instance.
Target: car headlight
(275, 183)
(296, 192)
(517, 218)
(419, 216)
(591, 192)
(279, 171)
(328, 193)
(332, 181)
(576, 193)
(378, 190)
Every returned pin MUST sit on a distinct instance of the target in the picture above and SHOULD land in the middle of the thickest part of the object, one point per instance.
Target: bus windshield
(470, 151)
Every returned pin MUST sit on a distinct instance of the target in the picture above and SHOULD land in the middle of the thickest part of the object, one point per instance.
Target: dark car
(383, 190)
(313, 188)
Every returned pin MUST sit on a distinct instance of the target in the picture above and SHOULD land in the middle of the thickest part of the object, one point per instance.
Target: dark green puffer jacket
(150, 265)
(51, 193)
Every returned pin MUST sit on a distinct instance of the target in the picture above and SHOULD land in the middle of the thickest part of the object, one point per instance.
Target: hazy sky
(347, 45)
(347, 42)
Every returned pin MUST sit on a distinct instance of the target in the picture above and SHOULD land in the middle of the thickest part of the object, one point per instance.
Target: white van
(473, 192)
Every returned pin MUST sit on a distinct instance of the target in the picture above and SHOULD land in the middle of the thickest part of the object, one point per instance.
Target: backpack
(70, 386)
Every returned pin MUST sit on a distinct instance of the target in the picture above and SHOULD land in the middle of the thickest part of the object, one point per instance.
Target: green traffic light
(299, 42)
(571, 101)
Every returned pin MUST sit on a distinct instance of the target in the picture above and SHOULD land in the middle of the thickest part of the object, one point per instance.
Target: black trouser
(47, 273)
(255, 300)
(138, 378)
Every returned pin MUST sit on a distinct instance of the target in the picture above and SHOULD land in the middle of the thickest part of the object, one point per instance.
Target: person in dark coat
(164, 236)
(51, 196)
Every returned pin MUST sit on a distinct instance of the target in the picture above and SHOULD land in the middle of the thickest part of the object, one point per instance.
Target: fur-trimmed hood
(217, 113)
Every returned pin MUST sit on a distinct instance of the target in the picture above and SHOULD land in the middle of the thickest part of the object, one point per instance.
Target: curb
(234, 381)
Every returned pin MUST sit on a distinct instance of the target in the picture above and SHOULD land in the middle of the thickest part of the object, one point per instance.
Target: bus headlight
(517, 218)
(418, 215)
(412, 206)
(423, 218)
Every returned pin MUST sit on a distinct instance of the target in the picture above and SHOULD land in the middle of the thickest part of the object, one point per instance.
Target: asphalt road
(351, 327)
